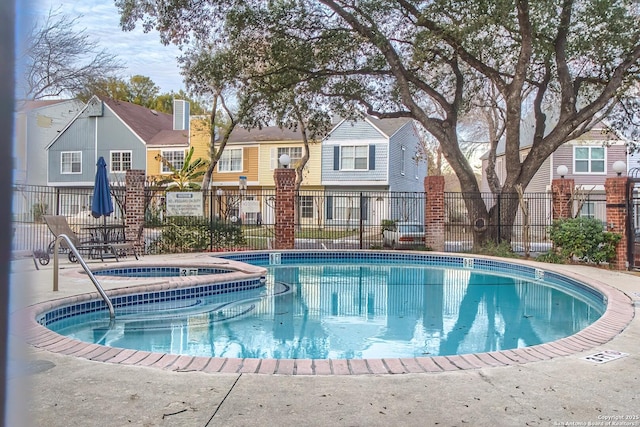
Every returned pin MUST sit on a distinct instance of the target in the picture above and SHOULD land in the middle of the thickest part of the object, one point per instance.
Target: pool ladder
(84, 265)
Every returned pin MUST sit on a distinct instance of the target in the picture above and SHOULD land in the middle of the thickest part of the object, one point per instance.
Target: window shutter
(274, 158)
(336, 157)
(372, 157)
(329, 207)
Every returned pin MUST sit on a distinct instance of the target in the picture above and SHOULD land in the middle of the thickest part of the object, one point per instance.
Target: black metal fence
(242, 220)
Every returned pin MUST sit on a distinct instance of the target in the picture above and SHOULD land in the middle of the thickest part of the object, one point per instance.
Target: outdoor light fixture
(619, 166)
(562, 170)
(219, 192)
(285, 160)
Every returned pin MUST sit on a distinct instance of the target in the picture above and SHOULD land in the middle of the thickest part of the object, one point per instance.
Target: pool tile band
(617, 316)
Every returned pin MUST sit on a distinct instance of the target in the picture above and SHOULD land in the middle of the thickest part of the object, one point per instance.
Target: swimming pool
(398, 317)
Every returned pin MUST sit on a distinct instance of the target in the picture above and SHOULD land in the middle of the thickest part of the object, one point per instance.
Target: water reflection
(353, 311)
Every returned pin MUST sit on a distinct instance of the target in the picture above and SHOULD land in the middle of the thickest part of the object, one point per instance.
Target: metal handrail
(84, 265)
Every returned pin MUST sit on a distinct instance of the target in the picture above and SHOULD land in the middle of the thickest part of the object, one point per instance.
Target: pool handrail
(84, 265)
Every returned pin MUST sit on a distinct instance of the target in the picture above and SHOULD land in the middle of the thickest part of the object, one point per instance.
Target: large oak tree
(565, 63)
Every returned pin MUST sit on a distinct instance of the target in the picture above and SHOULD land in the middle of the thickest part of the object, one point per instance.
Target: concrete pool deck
(53, 389)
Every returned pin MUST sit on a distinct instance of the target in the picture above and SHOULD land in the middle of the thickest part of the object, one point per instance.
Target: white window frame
(120, 161)
(295, 157)
(306, 207)
(342, 206)
(403, 160)
(590, 160)
(71, 162)
(354, 157)
(169, 156)
(588, 210)
(225, 164)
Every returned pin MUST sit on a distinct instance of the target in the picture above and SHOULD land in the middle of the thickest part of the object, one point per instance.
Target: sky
(142, 53)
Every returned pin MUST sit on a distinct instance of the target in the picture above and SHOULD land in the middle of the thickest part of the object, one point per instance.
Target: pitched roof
(267, 133)
(28, 105)
(389, 126)
(153, 127)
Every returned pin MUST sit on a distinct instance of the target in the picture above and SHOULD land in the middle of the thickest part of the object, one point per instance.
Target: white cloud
(142, 53)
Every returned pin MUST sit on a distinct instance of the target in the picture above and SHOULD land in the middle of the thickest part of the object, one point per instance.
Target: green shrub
(502, 249)
(551, 257)
(226, 235)
(188, 234)
(387, 224)
(584, 239)
(38, 210)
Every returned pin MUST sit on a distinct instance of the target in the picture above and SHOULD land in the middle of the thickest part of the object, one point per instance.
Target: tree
(110, 87)
(61, 60)
(185, 178)
(143, 91)
(140, 90)
(567, 65)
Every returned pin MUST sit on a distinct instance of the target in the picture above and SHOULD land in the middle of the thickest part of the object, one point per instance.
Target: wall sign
(181, 203)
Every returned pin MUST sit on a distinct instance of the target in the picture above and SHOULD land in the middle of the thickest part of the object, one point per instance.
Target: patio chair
(58, 225)
(122, 248)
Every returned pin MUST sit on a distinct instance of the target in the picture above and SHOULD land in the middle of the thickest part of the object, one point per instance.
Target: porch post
(434, 212)
(618, 195)
(285, 208)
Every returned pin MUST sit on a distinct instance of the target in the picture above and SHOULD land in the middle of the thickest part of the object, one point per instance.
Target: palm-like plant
(187, 177)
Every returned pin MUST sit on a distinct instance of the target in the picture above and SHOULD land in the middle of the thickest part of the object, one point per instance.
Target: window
(346, 208)
(588, 160)
(71, 162)
(403, 159)
(175, 158)
(588, 210)
(354, 157)
(120, 161)
(306, 206)
(231, 160)
(294, 153)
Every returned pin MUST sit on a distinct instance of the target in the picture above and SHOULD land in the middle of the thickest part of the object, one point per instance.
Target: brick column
(618, 196)
(285, 208)
(434, 212)
(562, 203)
(134, 204)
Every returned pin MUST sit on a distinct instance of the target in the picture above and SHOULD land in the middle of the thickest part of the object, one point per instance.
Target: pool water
(350, 311)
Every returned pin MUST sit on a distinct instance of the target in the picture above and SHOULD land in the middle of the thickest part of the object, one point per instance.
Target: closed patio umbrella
(101, 204)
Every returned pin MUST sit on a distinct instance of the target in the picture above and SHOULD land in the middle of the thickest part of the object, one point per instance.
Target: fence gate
(633, 220)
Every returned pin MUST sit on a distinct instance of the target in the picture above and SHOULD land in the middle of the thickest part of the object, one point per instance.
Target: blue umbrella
(101, 205)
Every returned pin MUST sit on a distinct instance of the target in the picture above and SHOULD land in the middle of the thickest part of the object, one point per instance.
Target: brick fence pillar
(562, 197)
(134, 204)
(285, 208)
(618, 195)
(434, 212)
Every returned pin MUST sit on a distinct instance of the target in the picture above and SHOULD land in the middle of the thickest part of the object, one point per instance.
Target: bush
(38, 210)
(551, 257)
(387, 224)
(584, 239)
(188, 234)
(502, 250)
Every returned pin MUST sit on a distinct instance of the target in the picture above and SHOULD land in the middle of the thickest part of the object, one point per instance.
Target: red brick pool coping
(618, 315)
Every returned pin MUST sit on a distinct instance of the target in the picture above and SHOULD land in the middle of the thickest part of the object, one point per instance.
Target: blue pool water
(340, 307)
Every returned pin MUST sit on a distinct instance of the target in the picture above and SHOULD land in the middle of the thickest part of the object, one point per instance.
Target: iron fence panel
(242, 220)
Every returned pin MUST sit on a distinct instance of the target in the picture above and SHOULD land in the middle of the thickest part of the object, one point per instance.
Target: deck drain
(605, 356)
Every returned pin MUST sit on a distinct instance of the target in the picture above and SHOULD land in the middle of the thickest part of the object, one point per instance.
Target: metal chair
(121, 248)
(58, 225)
